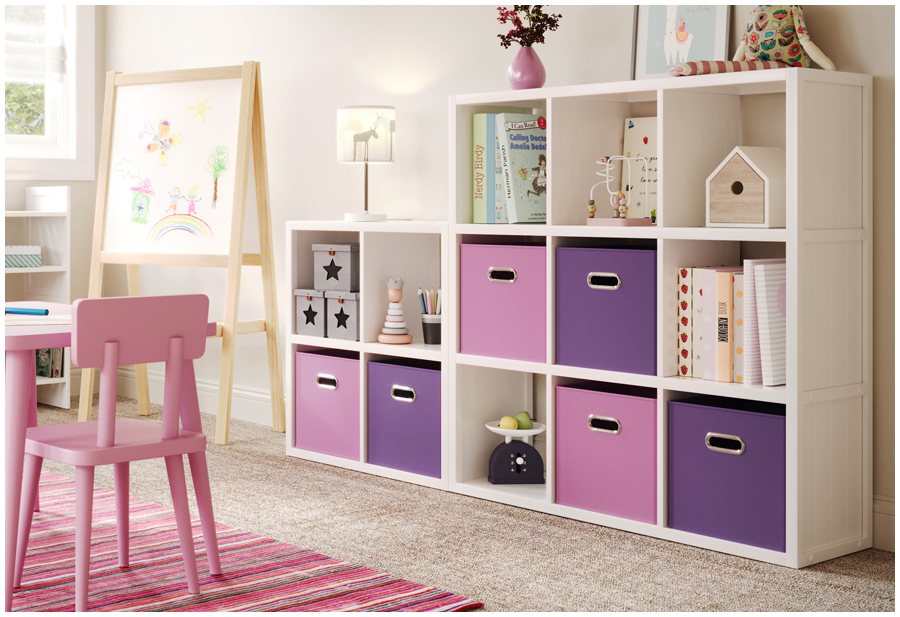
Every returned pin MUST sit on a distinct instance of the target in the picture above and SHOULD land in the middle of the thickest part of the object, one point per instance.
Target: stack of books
(509, 168)
(732, 323)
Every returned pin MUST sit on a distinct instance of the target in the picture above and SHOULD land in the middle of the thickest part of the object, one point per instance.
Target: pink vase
(526, 70)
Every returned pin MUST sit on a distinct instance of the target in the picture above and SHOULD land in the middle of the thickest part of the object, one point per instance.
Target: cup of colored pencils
(430, 307)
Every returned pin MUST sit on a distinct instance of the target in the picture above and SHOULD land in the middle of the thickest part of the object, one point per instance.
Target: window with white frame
(49, 115)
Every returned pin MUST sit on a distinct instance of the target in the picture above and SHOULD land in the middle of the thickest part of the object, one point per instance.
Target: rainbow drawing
(180, 222)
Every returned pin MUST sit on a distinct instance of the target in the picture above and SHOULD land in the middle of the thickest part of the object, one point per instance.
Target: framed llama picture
(669, 35)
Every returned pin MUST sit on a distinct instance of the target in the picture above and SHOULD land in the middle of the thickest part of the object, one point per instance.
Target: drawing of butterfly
(162, 141)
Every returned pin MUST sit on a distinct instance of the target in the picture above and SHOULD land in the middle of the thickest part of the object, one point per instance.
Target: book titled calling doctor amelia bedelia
(523, 152)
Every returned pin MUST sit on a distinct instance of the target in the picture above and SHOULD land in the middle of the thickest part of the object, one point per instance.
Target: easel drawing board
(171, 190)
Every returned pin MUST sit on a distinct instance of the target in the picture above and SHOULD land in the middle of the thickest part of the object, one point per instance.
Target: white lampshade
(366, 134)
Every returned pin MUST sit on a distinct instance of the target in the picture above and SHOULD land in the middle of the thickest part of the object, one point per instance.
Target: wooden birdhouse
(747, 189)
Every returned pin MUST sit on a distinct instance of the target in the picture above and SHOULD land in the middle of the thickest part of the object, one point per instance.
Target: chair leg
(200, 475)
(178, 486)
(120, 472)
(84, 505)
(29, 495)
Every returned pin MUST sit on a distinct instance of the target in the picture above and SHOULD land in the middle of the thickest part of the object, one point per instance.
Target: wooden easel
(251, 135)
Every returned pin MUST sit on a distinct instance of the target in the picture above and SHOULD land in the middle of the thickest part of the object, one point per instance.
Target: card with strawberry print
(685, 323)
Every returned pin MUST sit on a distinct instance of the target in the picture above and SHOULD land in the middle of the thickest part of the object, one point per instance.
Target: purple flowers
(526, 36)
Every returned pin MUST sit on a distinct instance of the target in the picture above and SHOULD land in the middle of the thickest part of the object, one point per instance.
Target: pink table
(21, 408)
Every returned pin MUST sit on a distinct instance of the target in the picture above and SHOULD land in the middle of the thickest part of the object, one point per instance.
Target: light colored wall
(315, 59)
(860, 39)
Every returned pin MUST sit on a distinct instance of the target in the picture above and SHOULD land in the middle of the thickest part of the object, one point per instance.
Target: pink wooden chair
(108, 333)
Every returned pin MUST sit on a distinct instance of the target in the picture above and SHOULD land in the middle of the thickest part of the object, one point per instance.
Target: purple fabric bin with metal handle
(327, 404)
(404, 418)
(606, 309)
(727, 470)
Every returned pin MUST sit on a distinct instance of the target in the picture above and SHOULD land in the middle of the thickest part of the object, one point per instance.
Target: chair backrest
(111, 332)
(141, 325)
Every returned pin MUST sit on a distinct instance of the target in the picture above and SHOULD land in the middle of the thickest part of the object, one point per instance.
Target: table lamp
(366, 135)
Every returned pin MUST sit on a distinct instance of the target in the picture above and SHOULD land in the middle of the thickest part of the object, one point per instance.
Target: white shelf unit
(416, 251)
(45, 221)
(823, 121)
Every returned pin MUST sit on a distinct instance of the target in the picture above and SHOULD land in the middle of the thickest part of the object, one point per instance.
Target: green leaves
(24, 109)
(217, 163)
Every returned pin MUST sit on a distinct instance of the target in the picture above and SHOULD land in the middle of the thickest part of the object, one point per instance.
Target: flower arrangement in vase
(526, 69)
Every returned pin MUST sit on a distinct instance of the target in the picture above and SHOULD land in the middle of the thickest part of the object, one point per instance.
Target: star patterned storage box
(310, 312)
(336, 267)
(342, 311)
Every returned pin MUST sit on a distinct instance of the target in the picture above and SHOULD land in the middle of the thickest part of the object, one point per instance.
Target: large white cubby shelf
(823, 121)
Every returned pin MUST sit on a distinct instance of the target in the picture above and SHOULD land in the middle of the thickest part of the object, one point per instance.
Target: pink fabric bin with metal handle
(327, 404)
(503, 301)
(606, 453)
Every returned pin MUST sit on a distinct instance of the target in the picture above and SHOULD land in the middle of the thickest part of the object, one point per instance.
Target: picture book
(711, 324)
(737, 358)
(640, 140)
(500, 214)
(42, 362)
(724, 326)
(480, 186)
(752, 360)
(523, 151)
(697, 331)
(771, 306)
(685, 323)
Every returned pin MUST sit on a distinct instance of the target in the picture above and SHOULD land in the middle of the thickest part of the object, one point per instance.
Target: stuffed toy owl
(779, 33)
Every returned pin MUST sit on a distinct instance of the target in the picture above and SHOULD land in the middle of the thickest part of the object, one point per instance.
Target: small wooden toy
(591, 209)
(747, 189)
(395, 331)
(618, 200)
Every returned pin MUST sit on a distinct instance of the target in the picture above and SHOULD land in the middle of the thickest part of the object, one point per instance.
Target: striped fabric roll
(711, 67)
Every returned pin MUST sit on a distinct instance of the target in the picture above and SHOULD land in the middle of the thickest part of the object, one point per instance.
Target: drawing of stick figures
(175, 194)
(192, 197)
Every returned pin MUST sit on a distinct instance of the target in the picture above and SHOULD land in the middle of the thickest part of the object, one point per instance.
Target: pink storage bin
(606, 453)
(327, 404)
(503, 301)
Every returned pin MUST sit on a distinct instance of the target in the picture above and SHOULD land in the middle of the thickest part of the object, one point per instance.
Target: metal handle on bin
(502, 275)
(604, 424)
(727, 444)
(329, 382)
(403, 393)
(604, 280)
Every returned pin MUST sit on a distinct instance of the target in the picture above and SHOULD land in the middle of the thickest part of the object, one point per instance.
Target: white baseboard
(883, 506)
(246, 403)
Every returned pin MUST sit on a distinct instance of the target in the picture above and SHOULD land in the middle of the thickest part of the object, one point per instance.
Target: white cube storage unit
(822, 120)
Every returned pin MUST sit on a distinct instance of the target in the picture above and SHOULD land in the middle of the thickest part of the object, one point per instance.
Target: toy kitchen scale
(516, 462)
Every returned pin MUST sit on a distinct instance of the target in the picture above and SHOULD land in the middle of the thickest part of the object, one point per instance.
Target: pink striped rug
(259, 574)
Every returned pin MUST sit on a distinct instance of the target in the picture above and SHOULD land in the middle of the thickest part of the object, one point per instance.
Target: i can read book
(523, 151)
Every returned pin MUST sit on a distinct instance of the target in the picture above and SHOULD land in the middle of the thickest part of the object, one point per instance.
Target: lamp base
(365, 217)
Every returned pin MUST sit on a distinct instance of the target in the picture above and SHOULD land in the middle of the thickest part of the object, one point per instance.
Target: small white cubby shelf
(44, 222)
(823, 121)
(414, 250)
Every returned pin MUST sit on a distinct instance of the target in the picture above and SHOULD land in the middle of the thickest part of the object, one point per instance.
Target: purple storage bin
(404, 418)
(713, 490)
(606, 309)
(606, 453)
(503, 301)
(327, 404)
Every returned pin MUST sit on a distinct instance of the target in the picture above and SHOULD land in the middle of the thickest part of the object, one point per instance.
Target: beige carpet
(510, 559)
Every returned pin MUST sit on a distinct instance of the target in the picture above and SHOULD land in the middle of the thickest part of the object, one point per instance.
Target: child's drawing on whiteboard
(162, 141)
(140, 203)
(200, 109)
(182, 223)
(128, 169)
(191, 198)
(217, 165)
(175, 194)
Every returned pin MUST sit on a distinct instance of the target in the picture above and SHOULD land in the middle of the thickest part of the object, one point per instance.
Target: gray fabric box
(336, 267)
(342, 308)
(311, 317)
